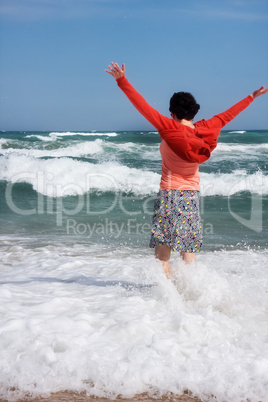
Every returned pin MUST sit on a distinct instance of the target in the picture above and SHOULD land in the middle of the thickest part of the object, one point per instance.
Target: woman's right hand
(116, 71)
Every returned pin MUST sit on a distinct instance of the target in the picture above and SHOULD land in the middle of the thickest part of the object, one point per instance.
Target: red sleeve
(152, 115)
(220, 120)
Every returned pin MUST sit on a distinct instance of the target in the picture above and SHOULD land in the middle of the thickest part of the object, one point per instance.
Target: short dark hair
(183, 105)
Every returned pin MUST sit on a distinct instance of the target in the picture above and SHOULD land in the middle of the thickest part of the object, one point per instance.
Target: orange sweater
(191, 146)
(177, 174)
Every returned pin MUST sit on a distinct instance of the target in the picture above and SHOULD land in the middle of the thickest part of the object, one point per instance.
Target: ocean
(84, 305)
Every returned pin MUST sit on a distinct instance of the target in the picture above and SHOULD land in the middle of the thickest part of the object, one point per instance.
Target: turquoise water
(98, 187)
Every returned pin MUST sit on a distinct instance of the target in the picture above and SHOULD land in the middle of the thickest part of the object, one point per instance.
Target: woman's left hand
(261, 91)
(116, 71)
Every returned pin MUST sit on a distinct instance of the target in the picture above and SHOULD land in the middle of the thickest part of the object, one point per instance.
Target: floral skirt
(176, 220)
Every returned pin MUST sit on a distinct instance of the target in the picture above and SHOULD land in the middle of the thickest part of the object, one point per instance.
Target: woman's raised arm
(153, 116)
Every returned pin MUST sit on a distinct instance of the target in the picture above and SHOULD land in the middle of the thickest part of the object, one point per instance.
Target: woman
(176, 219)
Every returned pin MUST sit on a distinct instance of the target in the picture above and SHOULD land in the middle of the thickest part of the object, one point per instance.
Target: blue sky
(53, 54)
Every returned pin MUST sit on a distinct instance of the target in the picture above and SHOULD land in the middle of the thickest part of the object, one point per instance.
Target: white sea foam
(227, 184)
(53, 136)
(108, 322)
(241, 148)
(80, 149)
(145, 152)
(77, 150)
(68, 134)
(237, 132)
(64, 176)
(44, 138)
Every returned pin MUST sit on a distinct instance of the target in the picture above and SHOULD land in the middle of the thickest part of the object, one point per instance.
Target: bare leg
(189, 258)
(163, 254)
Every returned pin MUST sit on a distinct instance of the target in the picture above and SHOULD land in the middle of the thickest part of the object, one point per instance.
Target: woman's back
(177, 174)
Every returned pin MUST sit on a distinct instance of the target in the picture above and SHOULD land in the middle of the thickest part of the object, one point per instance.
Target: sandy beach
(70, 396)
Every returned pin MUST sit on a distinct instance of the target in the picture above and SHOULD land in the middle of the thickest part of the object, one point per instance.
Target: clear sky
(53, 54)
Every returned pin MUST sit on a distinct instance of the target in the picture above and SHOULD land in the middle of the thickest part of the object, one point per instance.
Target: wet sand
(70, 396)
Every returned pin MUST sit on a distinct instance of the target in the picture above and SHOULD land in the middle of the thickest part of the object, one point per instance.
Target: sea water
(84, 305)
